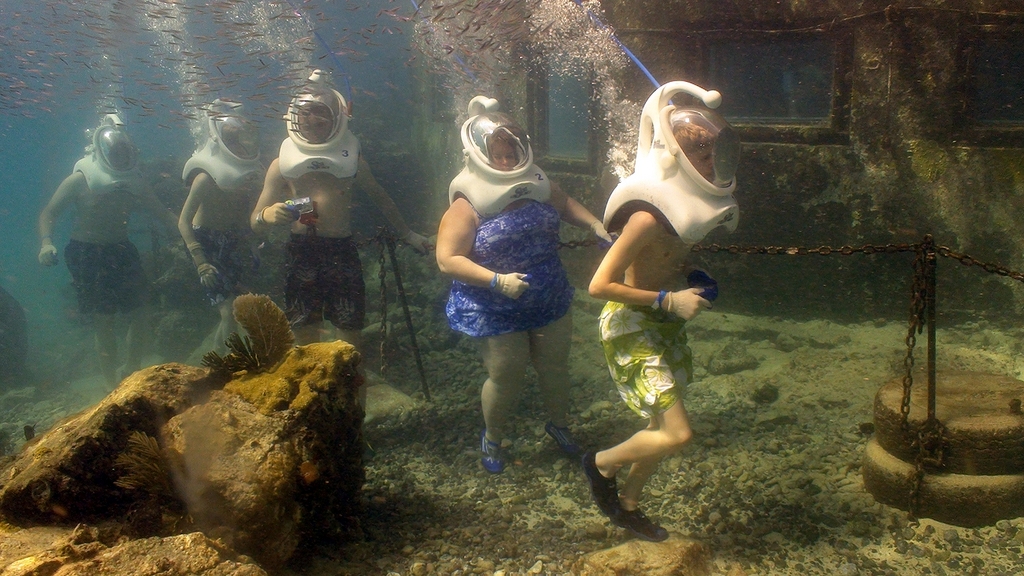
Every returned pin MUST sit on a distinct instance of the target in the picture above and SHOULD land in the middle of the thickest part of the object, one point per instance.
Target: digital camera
(304, 210)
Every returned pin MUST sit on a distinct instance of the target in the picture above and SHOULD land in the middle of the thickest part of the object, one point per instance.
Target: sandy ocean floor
(771, 486)
(771, 482)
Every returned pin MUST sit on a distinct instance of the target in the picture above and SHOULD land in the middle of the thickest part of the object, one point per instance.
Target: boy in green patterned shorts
(680, 191)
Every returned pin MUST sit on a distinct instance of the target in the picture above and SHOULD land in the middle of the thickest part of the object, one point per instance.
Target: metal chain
(986, 266)
(918, 309)
(825, 250)
(931, 443)
(915, 326)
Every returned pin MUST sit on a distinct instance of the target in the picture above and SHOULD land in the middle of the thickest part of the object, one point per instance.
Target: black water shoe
(604, 491)
(640, 525)
(563, 437)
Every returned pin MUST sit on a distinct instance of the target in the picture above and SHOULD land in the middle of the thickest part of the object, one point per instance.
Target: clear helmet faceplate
(231, 152)
(318, 115)
(499, 161)
(708, 143)
(498, 142)
(237, 135)
(113, 147)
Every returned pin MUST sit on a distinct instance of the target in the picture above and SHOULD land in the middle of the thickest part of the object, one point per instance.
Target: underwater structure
(861, 123)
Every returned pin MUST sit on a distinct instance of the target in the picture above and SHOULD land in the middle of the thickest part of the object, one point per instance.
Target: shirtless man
(106, 271)
(224, 178)
(309, 188)
(680, 191)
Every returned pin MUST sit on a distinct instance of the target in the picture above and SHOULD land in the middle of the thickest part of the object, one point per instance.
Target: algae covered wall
(899, 158)
(904, 164)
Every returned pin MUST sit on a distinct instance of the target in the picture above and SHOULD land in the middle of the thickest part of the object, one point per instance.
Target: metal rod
(389, 240)
(930, 263)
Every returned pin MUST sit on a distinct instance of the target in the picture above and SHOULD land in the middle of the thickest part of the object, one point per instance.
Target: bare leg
(549, 351)
(226, 326)
(505, 357)
(106, 347)
(137, 339)
(667, 433)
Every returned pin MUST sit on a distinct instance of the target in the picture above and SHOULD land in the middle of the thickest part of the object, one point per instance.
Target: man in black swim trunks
(318, 168)
(105, 189)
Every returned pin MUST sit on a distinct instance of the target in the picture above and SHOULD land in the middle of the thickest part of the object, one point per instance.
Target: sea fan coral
(242, 357)
(143, 465)
(271, 336)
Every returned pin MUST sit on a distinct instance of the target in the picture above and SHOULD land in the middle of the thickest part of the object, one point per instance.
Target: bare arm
(608, 281)
(576, 214)
(270, 209)
(640, 231)
(455, 238)
(64, 195)
(570, 210)
(202, 185)
(196, 196)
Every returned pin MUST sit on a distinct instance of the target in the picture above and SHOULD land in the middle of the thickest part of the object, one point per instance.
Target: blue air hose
(604, 27)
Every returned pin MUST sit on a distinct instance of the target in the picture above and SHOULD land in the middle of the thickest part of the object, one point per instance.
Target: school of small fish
(167, 59)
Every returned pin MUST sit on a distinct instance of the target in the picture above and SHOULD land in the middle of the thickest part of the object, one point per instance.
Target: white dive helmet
(110, 159)
(318, 136)
(694, 199)
(231, 154)
(487, 185)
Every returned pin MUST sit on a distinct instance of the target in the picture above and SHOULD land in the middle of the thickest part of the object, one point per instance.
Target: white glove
(207, 275)
(277, 213)
(599, 230)
(419, 243)
(511, 285)
(48, 255)
(685, 304)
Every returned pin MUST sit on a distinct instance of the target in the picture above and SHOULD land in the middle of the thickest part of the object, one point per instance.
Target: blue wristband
(658, 300)
(494, 281)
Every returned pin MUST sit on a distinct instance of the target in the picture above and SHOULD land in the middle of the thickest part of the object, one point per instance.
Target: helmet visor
(239, 136)
(317, 115)
(116, 149)
(709, 143)
(500, 140)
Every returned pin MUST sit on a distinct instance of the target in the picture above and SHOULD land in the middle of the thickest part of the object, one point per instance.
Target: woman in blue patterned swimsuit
(510, 290)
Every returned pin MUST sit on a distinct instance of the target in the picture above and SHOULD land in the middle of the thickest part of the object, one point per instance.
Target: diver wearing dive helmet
(105, 188)
(681, 190)
(308, 189)
(499, 242)
(224, 178)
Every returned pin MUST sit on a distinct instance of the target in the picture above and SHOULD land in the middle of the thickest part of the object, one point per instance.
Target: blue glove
(700, 279)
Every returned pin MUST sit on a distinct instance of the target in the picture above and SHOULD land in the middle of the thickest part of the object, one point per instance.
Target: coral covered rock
(275, 460)
(70, 474)
(83, 551)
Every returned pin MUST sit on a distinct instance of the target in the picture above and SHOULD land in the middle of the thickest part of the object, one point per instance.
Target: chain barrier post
(930, 265)
(389, 241)
(382, 273)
